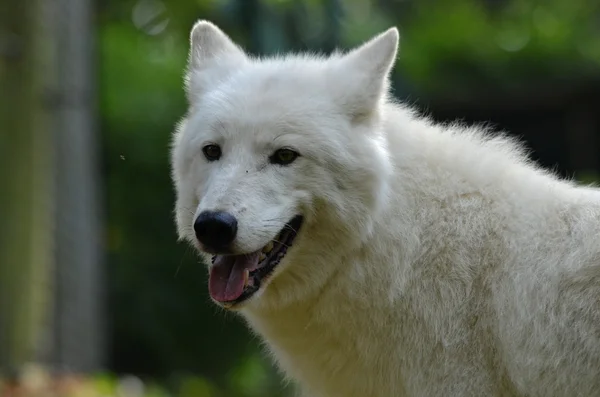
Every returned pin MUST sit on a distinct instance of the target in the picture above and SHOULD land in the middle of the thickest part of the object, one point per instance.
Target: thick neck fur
(428, 311)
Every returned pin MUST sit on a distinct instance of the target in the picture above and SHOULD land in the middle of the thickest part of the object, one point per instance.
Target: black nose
(215, 229)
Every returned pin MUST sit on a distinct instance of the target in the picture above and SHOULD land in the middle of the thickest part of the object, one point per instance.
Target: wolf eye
(212, 152)
(283, 156)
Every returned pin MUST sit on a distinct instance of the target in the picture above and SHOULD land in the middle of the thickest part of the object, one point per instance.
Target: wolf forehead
(287, 74)
(269, 95)
(271, 103)
(238, 121)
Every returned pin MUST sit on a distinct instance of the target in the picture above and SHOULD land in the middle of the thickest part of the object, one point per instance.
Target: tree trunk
(50, 235)
(26, 179)
(79, 313)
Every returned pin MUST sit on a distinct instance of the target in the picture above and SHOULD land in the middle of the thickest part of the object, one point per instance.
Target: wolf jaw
(236, 278)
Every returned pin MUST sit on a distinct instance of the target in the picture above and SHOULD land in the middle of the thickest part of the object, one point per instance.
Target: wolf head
(279, 164)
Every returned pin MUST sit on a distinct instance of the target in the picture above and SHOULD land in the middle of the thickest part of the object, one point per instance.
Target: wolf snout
(216, 230)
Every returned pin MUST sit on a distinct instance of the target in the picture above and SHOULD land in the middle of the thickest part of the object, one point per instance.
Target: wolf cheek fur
(428, 260)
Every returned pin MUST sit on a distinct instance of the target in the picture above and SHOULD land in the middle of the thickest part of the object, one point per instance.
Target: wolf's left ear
(213, 57)
(365, 73)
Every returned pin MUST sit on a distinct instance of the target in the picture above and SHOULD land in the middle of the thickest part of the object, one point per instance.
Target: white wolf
(377, 253)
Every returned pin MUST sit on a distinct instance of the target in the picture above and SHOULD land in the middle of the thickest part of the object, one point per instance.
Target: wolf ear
(365, 71)
(213, 57)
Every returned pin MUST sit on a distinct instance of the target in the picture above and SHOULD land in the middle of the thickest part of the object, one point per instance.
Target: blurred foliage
(35, 381)
(453, 44)
(162, 322)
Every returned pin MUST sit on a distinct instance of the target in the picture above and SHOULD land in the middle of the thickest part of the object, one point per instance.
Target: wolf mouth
(235, 278)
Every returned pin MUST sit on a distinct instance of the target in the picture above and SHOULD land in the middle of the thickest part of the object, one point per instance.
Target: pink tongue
(226, 281)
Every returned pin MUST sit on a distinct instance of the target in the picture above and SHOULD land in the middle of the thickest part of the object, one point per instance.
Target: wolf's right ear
(212, 58)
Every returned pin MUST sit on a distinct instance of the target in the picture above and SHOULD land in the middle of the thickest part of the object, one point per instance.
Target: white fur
(433, 261)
